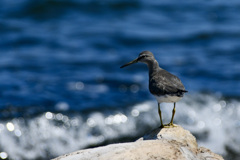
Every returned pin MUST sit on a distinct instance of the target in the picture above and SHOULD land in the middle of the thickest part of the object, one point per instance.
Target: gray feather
(161, 82)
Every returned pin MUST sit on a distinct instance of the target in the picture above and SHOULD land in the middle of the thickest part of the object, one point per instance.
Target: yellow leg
(160, 115)
(173, 113)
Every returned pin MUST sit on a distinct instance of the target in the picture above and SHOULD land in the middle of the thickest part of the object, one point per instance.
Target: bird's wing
(164, 82)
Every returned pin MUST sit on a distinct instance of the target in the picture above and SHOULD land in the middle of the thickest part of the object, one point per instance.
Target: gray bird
(165, 86)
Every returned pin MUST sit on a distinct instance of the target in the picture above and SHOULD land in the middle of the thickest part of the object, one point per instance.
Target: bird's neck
(153, 66)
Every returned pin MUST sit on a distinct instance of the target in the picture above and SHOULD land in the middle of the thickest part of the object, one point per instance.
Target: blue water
(61, 88)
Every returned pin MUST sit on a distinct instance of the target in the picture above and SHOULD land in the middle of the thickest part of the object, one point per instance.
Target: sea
(62, 89)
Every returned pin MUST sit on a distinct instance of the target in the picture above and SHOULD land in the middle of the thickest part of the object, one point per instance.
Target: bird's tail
(181, 92)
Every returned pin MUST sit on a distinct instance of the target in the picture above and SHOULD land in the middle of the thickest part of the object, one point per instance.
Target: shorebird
(165, 86)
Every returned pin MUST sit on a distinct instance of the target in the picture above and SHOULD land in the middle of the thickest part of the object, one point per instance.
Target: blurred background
(61, 88)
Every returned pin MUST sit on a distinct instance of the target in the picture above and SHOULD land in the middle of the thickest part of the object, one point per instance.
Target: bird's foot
(169, 125)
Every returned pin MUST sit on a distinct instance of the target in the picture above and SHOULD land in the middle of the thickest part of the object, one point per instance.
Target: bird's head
(144, 57)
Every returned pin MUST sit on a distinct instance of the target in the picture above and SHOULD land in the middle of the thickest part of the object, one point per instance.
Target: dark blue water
(61, 88)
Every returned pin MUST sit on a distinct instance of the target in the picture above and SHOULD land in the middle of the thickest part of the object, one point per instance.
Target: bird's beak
(134, 61)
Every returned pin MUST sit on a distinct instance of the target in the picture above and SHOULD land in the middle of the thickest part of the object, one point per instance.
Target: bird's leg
(173, 113)
(160, 115)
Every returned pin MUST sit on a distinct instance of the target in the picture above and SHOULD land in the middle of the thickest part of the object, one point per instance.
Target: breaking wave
(212, 119)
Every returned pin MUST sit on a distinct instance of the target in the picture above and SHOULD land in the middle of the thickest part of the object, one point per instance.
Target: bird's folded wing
(166, 83)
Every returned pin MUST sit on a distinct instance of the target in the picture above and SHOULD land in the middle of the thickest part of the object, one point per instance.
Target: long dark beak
(134, 61)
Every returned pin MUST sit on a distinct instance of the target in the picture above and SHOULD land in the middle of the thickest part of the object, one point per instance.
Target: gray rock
(160, 144)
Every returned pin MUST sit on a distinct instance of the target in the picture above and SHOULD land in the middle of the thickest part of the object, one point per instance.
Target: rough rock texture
(160, 144)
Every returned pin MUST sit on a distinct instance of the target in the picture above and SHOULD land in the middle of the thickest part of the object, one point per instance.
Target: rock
(160, 144)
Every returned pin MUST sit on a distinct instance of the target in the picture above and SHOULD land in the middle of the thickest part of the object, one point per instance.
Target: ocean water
(61, 88)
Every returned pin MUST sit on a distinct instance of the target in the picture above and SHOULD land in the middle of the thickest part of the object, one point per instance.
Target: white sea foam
(213, 120)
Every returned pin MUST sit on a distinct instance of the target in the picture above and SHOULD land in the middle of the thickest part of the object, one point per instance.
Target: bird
(165, 86)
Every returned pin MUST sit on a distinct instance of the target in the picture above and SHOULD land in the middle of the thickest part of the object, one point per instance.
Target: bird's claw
(169, 125)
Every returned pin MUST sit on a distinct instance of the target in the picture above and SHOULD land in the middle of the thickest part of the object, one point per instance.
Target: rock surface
(160, 144)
